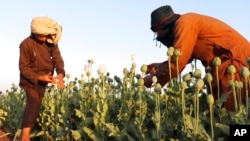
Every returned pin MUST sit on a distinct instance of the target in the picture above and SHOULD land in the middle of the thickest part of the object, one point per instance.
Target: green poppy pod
(216, 61)
(210, 99)
(144, 68)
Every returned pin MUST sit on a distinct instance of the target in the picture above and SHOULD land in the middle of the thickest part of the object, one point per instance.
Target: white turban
(47, 26)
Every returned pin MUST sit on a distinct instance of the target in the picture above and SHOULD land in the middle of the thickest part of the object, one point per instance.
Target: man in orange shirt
(199, 37)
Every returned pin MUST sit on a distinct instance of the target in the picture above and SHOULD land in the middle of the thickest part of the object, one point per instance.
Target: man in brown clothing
(39, 58)
(199, 37)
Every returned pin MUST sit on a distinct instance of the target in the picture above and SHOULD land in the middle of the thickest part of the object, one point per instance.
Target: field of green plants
(122, 109)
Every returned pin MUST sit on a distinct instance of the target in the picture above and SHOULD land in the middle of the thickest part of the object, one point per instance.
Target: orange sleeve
(185, 39)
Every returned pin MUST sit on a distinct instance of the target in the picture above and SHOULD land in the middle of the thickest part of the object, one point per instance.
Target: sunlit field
(120, 108)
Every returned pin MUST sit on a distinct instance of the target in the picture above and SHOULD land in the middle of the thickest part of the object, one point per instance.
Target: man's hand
(46, 78)
(152, 68)
(60, 82)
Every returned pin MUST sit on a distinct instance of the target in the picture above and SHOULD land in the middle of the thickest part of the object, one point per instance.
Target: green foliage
(11, 109)
(119, 109)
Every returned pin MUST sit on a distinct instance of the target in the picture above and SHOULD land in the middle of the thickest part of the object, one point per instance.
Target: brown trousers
(34, 95)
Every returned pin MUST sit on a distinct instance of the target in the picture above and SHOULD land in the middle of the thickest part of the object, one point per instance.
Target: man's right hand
(46, 78)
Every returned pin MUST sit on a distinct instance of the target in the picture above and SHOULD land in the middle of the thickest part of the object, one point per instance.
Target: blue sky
(108, 31)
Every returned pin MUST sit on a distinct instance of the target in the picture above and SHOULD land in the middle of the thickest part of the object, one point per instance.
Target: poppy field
(116, 108)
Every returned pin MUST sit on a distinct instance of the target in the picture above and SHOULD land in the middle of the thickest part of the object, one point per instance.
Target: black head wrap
(163, 18)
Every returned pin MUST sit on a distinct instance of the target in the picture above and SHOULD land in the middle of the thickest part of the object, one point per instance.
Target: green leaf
(224, 128)
(76, 135)
(113, 130)
(189, 121)
(41, 133)
(90, 133)
(79, 114)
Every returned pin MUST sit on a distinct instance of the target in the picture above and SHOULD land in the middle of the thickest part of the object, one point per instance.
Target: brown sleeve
(27, 63)
(58, 60)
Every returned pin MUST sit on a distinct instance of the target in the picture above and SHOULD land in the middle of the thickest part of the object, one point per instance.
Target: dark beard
(167, 38)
